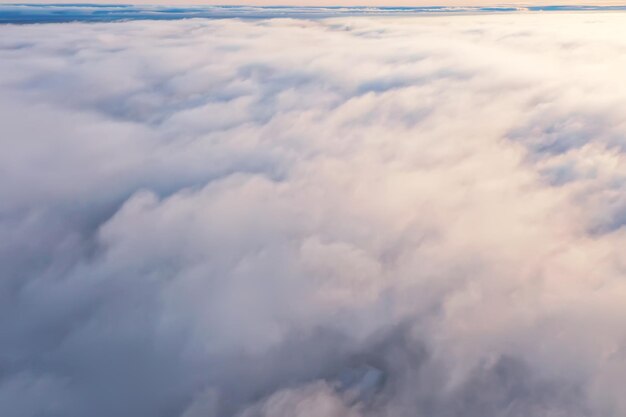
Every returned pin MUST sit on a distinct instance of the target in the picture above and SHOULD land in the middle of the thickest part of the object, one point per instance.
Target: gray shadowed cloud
(363, 217)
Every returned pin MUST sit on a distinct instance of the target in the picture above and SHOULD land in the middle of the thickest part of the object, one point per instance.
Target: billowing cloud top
(357, 216)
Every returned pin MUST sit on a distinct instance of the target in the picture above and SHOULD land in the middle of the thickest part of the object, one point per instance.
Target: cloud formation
(94, 12)
(355, 217)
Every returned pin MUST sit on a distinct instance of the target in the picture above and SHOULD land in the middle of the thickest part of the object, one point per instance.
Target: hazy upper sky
(336, 3)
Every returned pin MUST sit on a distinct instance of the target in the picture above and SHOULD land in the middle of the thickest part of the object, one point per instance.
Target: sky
(334, 2)
(355, 216)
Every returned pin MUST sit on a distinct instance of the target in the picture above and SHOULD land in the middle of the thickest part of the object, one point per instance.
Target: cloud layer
(355, 217)
(94, 12)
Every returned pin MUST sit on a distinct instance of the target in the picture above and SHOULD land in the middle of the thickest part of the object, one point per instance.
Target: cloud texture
(352, 217)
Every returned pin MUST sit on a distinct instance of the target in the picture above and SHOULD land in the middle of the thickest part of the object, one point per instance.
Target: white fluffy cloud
(361, 217)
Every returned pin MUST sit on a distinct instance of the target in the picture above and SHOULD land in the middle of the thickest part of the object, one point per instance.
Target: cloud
(363, 217)
(43, 12)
